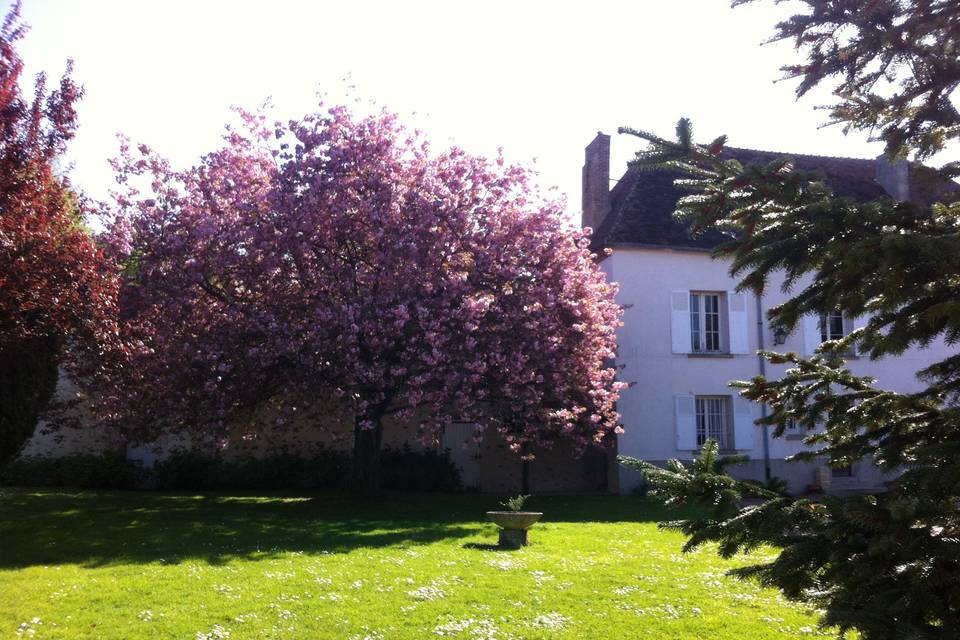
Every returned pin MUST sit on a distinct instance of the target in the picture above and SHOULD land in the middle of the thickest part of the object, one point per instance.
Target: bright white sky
(537, 78)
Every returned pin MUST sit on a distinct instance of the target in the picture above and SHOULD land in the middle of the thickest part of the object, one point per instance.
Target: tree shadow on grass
(479, 546)
(104, 528)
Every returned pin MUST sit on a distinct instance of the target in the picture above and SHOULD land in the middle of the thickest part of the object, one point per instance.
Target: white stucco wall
(68, 440)
(647, 276)
(326, 424)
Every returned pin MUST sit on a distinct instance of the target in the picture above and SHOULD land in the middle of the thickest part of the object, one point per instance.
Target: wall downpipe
(763, 372)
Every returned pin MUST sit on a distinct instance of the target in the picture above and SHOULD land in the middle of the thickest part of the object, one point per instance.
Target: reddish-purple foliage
(338, 257)
(52, 278)
(57, 293)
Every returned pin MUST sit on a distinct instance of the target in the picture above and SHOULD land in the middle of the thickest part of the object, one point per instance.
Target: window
(794, 430)
(713, 420)
(727, 419)
(709, 323)
(831, 326)
(822, 327)
(846, 471)
(705, 322)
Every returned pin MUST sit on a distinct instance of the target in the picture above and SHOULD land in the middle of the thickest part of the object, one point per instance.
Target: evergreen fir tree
(887, 566)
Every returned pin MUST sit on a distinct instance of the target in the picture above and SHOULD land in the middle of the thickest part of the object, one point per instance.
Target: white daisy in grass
(743, 597)
(477, 628)
(280, 612)
(541, 576)
(664, 611)
(427, 592)
(29, 628)
(625, 590)
(505, 564)
(552, 620)
(279, 575)
(216, 633)
(227, 591)
(289, 597)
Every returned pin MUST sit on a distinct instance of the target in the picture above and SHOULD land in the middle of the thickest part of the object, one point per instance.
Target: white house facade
(687, 332)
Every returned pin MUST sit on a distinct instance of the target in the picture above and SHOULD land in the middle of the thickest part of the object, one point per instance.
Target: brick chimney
(894, 177)
(596, 182)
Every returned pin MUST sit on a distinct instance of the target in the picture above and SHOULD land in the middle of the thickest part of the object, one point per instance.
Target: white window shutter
(685, 417)
(811, 333)
(743, 425)
(738, 326)
(680, 321)
(859, 323)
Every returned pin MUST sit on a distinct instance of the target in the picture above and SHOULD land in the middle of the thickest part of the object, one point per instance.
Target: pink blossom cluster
(338, 256)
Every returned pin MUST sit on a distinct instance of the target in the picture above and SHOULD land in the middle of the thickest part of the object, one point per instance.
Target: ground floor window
(713, 420)
(846, 471)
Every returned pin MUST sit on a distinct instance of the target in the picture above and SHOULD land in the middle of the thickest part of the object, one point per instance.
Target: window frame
(706, 402)
(846, 471)
(698, 322)
(794, 430)
(826, 329)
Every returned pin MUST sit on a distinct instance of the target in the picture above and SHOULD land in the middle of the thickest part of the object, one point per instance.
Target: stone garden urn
(513, 526)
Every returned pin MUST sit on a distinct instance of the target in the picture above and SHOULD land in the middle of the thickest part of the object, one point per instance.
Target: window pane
(831, 326)
(716, 421)
(712, 322)
(842, 472)
(712, 420)
(701, 422)
(695, 322)
(836, 326)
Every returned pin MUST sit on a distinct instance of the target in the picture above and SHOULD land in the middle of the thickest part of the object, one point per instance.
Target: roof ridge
(802, 155)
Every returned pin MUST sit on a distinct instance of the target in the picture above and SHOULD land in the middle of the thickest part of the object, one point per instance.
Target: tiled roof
(642, 203)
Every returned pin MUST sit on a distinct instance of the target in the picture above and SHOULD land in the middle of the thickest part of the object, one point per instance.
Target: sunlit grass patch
(129, 565)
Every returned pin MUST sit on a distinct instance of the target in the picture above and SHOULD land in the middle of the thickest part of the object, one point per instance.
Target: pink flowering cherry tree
(338, 257)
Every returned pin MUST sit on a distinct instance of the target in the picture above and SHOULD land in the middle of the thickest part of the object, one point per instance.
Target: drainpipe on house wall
(763, 372)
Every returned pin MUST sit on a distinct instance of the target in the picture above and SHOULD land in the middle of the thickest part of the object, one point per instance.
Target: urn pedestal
(513, 526)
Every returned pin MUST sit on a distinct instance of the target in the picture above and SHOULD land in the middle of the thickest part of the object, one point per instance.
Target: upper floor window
(832, 326)
(708, 322)
(794, 430)
(705, 322)
(818, 328)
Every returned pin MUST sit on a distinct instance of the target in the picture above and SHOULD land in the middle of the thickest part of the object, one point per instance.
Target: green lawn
(148, 565)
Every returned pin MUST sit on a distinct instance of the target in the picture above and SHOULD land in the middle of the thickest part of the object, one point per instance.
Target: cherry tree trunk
(365, 477)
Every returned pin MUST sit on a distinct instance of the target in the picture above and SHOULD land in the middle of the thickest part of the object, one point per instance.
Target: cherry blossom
(340, 257)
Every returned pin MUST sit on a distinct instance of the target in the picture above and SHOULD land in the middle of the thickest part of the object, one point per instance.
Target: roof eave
(650, 245)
